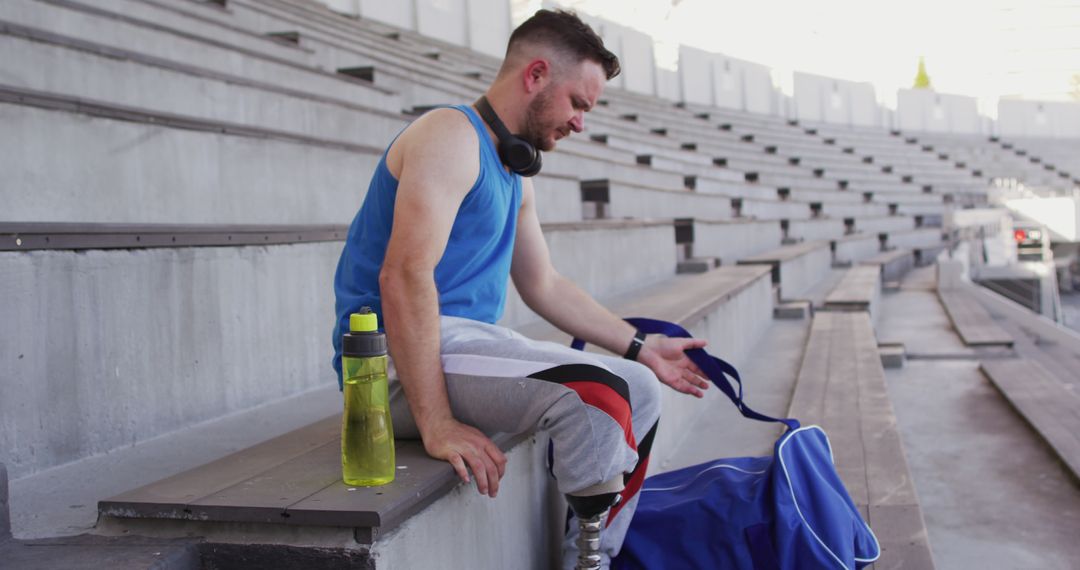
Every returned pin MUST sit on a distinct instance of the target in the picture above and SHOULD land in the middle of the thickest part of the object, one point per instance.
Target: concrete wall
(134, 173)
(759, 93)
(668, 85)
(836, 101)
(926, 110)
(695, 76)
(1038, 119)
(489, 26)
(635, 51)
(104, 349)
(445, 20)
(481, 25)
(401, 13)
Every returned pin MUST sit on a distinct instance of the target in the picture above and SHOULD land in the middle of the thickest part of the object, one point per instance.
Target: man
(443, 226)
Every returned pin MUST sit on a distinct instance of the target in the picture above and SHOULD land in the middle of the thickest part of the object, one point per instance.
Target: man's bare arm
(565, 305)
(436, 163)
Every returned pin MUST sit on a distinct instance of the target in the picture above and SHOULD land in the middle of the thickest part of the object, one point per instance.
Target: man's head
(557, 66)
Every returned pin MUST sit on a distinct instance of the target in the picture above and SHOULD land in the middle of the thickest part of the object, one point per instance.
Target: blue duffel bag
(787, 511)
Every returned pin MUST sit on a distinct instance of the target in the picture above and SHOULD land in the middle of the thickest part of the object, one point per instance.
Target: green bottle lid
(364, 321)
(363, 339)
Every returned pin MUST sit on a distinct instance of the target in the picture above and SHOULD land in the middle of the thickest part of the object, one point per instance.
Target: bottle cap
(363, 339)
(364, 321)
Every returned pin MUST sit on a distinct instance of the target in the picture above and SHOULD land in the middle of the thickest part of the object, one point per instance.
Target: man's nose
(577, 123)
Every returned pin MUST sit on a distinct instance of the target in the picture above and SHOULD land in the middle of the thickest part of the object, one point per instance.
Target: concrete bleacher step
(711, 171)
(853, 248)
(605, 257)
(794, 268)
(348, 43)
(125, 299)
(884, 224)
(567, 163)
(894, 264)
(773, 209)
(1050, 405)
(788, 181)
(93, 553)
(813, 229)
(628, 200)
(919, 239)
(847, 209)
(697, 265)
(245, 175)
(91, 24)
(830, 196)
(558, 198)
(731, 240)
(48, 62)
(299, 474)
(841, 387)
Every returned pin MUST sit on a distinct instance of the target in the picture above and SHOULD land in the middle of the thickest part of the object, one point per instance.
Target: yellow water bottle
(367, 435)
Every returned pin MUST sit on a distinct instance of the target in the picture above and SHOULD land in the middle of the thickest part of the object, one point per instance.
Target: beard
(536, 131)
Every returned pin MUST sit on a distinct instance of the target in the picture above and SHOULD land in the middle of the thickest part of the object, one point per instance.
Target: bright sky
(980, 48)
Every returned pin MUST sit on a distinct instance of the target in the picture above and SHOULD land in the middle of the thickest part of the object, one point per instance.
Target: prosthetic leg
(591, 512)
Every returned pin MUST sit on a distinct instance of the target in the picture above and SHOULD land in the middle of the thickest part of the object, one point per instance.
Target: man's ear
(537, 74)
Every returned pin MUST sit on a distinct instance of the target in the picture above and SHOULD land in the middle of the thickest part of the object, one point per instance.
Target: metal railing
(29, 236)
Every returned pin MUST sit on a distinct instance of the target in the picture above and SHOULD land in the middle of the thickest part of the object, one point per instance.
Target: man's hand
(666, 358)
(462, 445)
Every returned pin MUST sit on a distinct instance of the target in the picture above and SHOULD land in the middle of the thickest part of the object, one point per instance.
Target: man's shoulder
(445, 125)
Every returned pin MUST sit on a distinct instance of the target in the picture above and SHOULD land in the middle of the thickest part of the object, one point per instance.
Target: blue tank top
(472, 275)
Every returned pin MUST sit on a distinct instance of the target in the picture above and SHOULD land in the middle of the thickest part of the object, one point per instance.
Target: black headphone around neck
(517, 153)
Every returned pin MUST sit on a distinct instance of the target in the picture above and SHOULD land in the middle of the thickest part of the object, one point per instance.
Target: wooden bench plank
(420, 483)
(857, 290)
(169, 497)
(1047, 404)
(971, 320)
(902, 536)
(841, 386)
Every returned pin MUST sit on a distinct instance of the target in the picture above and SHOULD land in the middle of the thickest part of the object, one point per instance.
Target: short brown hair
(564, 30)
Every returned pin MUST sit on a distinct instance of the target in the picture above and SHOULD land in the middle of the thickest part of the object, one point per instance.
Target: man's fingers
(480, 472)
(459, 466)
(694, 343)
(696, 380)
(497, 456)
(493, 476)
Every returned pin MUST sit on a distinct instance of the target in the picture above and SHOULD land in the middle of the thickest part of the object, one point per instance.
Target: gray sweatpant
(599, 411)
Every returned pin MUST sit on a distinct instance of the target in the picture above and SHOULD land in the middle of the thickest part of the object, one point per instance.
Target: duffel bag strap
(716, 370)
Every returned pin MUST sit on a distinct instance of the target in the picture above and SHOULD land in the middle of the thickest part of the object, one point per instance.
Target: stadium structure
(176, 180)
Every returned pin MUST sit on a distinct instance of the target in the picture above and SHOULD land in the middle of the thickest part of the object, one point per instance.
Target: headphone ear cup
(520, 155)
(534, 168)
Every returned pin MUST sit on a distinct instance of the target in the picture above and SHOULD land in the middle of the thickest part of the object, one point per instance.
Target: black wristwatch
(635, 346)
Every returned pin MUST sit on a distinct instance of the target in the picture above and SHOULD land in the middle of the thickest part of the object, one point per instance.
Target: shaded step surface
(87, 552)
